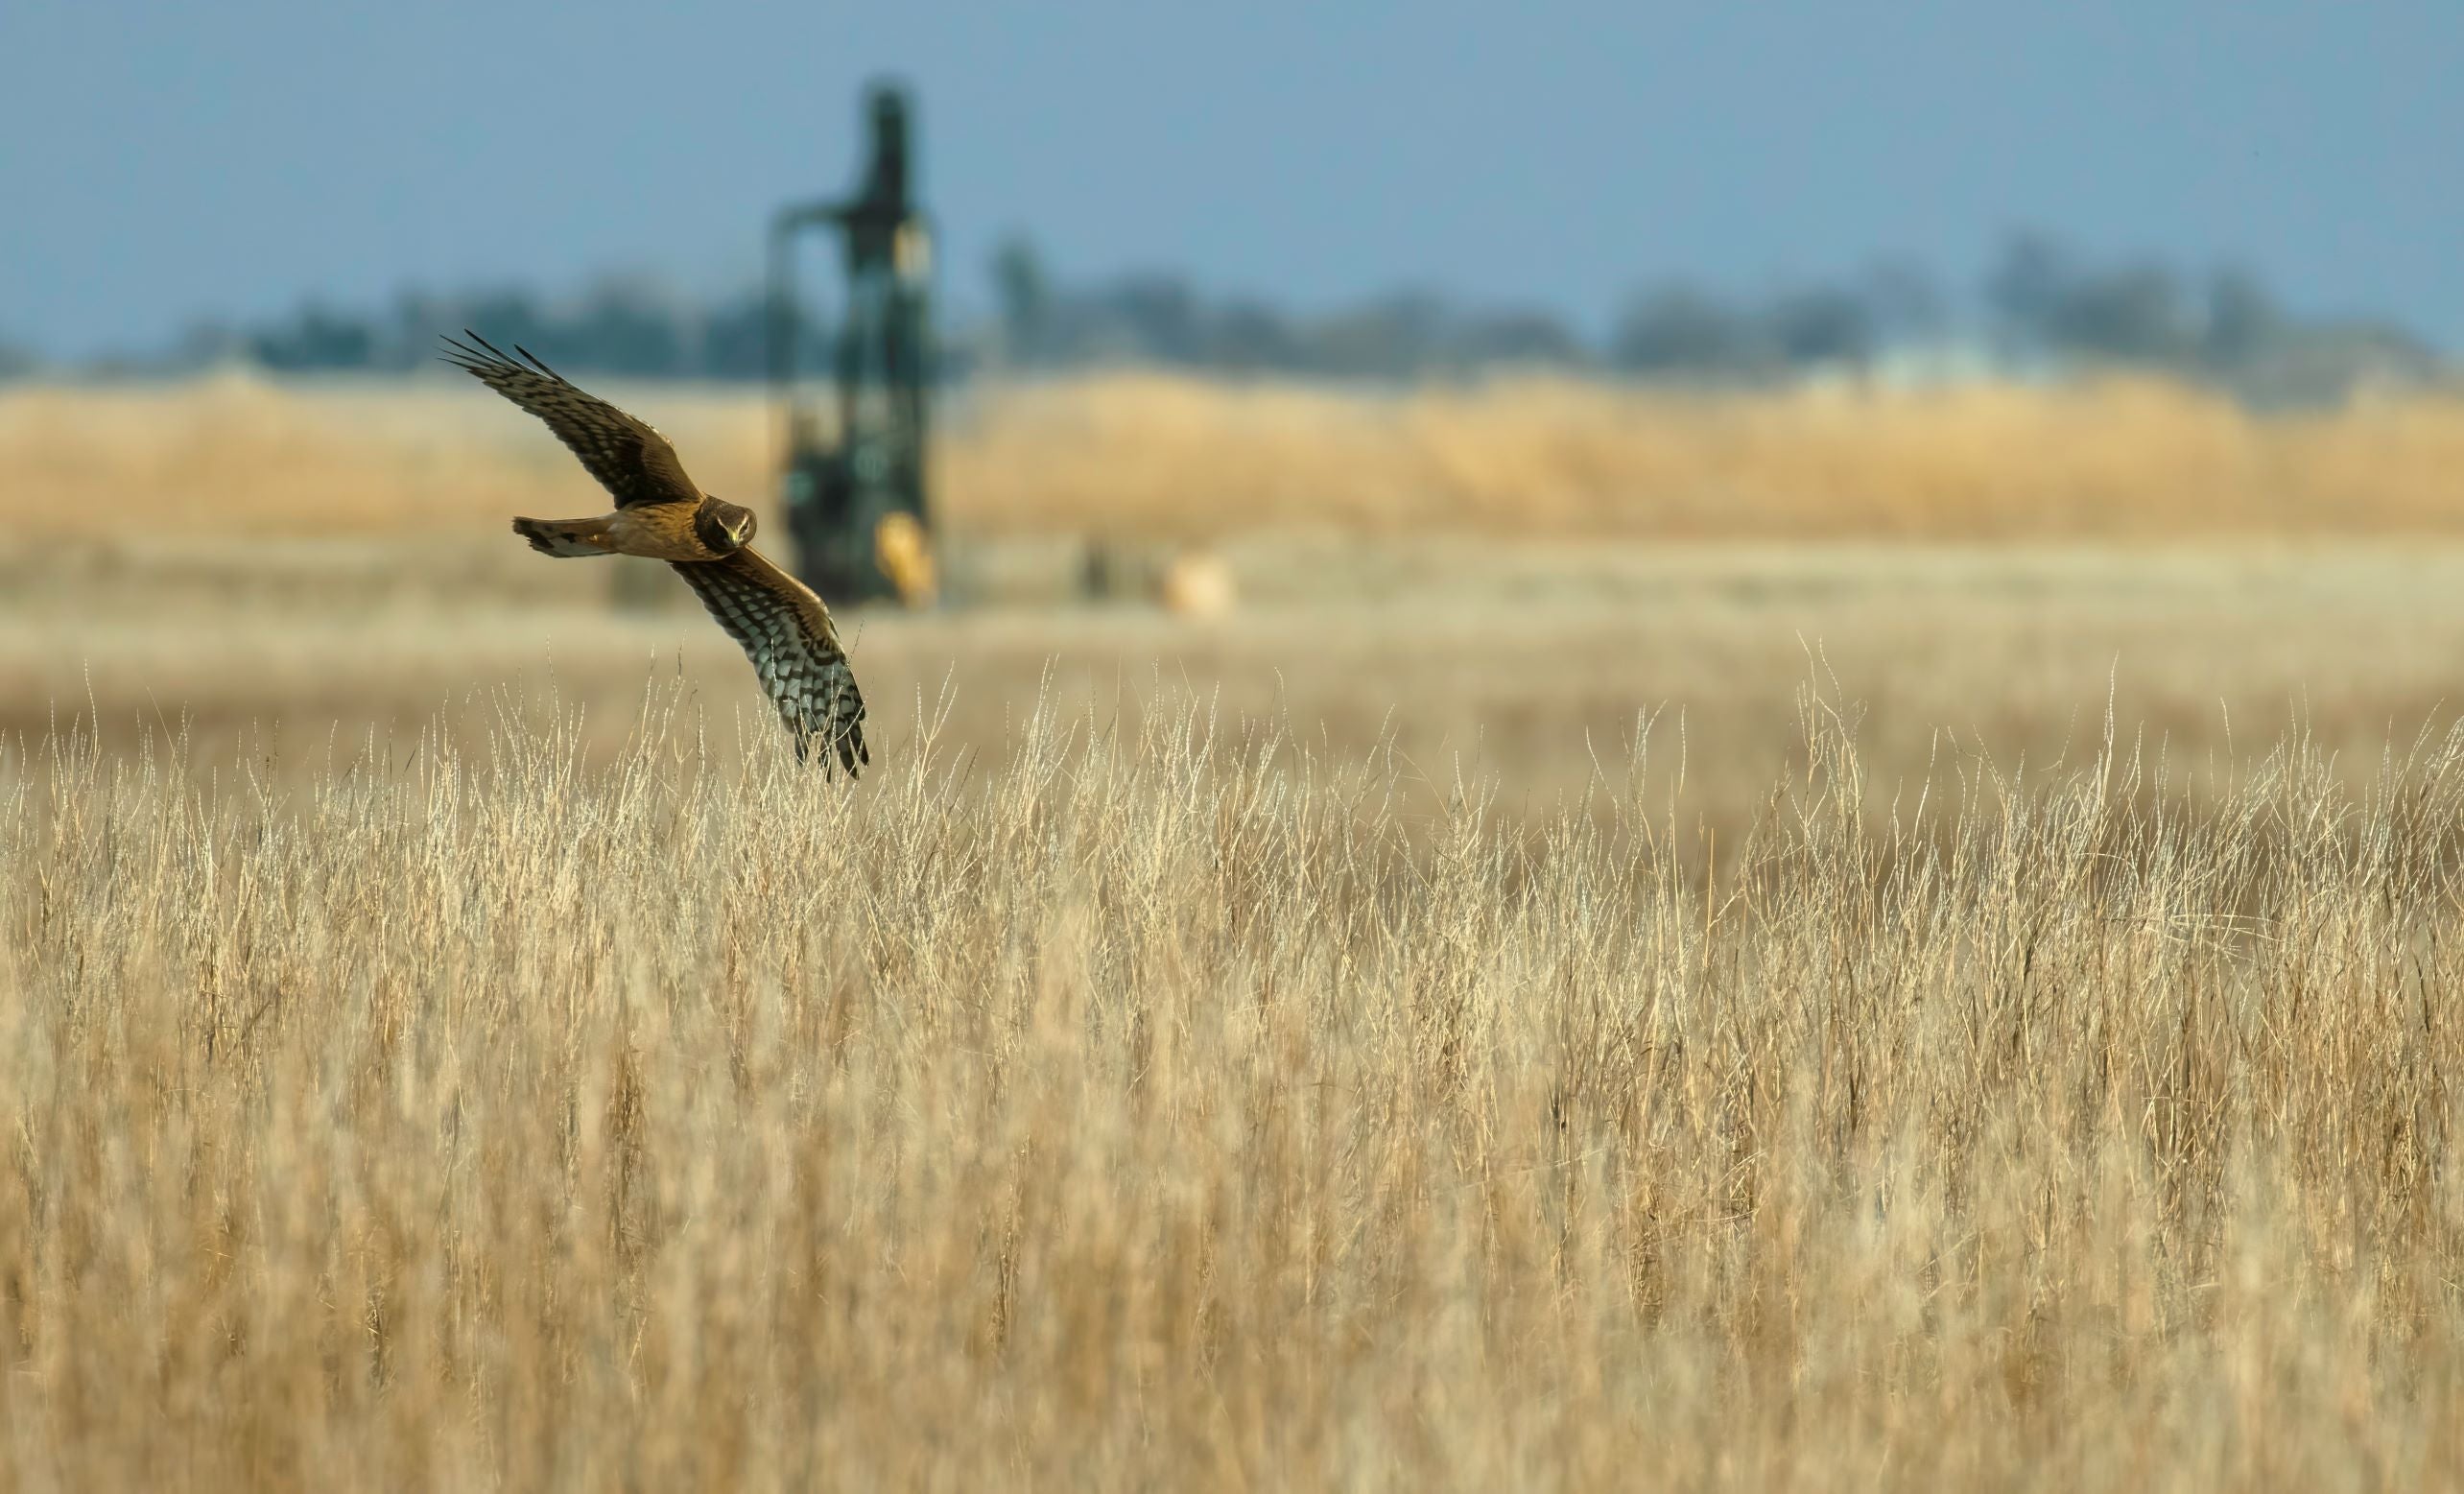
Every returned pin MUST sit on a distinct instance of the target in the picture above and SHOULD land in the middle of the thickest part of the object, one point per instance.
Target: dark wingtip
(493, 354)
(848, 747)
(536, 363)
(471, 360)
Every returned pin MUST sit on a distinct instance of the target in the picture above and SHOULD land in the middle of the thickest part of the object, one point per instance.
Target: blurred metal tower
(855, 488)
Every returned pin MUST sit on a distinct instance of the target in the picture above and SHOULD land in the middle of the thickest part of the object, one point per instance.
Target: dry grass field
(1161, 1110)
(1879, 940)
(1146, 456)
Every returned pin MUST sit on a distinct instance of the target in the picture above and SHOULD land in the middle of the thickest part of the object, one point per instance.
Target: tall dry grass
(2123, 459)
(1153, 456)
(1167, 1110)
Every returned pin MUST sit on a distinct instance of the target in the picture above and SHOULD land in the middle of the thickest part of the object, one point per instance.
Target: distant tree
(2032, 277)
(1250, 337)
(1392, 337)
(1678, 331)
(735, 337)
(314, 339)
(2136, 313)
(2047, 300)
(624, 326)
(1158, 313)
(1821, 325)
(2322, 363)
(1023, 293)
(208, 343)
(2039, 298)
(628, 327)
(506, 316)
(418, 321)
(1902, 300)
(16, 362)
(2243, 320)
(1525, 336)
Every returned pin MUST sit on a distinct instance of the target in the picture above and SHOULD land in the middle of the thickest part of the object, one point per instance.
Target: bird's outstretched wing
(630, 459)
(786, 631)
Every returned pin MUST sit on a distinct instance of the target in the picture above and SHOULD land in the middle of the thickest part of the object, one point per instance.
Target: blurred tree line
(2045, 302)
(2041, 309)
(628, 327)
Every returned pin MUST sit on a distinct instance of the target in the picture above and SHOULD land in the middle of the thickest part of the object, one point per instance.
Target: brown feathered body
(782, 626)
(679, 533)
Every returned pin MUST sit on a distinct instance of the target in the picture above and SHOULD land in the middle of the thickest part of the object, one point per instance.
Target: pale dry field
(1532, 665)
(1152, 456)
(1991, 1028)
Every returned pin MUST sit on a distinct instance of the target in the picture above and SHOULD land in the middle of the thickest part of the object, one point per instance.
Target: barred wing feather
(786, 631)
(630, 459)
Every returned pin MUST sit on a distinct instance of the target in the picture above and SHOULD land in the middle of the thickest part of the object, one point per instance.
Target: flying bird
(780, 623)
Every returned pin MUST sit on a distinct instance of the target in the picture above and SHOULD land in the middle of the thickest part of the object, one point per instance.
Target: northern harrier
(781, 625)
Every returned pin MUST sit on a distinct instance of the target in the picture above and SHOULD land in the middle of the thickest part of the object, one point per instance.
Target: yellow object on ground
(906, 557)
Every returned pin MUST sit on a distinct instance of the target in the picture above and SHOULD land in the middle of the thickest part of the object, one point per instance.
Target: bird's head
(723, 525)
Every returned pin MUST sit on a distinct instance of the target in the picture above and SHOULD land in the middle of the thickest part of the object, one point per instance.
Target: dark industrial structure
(854, 486)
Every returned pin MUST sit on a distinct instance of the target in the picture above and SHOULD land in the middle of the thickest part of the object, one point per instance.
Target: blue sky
(164, 162)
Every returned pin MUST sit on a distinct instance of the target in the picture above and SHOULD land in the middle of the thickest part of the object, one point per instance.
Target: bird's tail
(566, 536)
